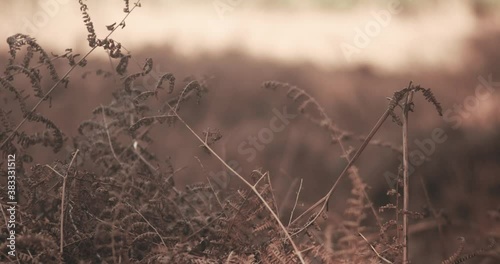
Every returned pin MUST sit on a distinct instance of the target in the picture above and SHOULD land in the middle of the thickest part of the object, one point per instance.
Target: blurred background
(350, 55)
(416, 32)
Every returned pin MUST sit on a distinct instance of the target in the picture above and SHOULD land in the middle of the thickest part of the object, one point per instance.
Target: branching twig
(272, 194)
(254, 190)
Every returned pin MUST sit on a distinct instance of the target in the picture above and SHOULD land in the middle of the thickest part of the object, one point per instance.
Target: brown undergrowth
(112, 200)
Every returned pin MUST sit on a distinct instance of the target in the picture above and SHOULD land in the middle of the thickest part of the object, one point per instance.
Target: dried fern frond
(171, 82)
(457, 259)
(399, 95)
(429, 96)
(19, 40)
(5, 83)
(126, 9)
(315, 113)
(453, 258)
(92, 36)
(57, 141)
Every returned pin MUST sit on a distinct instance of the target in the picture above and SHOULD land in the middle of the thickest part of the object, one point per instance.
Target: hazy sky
(380, 34)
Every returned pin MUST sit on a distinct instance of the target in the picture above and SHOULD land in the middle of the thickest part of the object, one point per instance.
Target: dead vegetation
(111, 200)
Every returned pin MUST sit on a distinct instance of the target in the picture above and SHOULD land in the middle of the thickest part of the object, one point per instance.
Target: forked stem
(251, 186)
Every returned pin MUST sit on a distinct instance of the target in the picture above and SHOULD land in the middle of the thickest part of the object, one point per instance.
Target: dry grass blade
(453, 258)
(109, 137)
(374, 250)
(296, 201)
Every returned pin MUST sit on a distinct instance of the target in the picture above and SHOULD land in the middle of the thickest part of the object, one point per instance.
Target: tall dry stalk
(406, 182)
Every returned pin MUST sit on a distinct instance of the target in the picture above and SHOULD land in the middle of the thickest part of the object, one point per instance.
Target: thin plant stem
(324, 201)
(375, 250)
(60, 80)
(63, 192)
(406, 180)
(109, 136)
(296, 201)
(272, 193)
